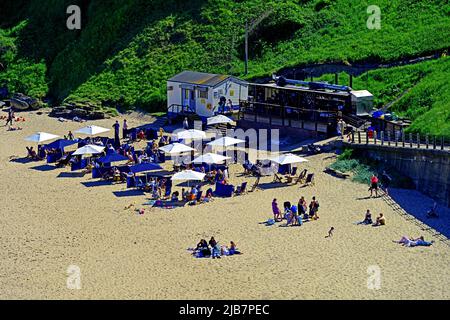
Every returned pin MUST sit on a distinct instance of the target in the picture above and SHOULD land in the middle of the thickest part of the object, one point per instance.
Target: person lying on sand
(411, 242)
(381, 221)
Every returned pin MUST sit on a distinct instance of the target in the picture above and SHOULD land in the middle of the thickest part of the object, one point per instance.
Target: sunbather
(411, 242)
(381, 221)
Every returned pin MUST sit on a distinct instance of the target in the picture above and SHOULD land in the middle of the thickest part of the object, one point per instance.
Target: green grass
(127, 49)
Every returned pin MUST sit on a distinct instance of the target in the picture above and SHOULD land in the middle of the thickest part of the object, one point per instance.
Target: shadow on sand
(99, 183)
(418, 204)
(44, 168)
(128, 193)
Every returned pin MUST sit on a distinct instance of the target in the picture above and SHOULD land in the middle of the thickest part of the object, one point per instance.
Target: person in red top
(374, 185)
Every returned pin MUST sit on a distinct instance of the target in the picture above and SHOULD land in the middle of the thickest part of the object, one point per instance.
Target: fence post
(426, 141)
(359, 137)
(418, 140)
(353, 136)
(434, 142)
(389, 138)
(403, 139)
(367, 137)
(396, 139)
(382, 137)
(375, 137)
(442, 143)
(410, 140)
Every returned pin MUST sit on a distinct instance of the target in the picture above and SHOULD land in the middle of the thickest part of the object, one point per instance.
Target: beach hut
(203, 93)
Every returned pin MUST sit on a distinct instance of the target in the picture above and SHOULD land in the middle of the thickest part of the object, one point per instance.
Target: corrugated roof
(200, 78)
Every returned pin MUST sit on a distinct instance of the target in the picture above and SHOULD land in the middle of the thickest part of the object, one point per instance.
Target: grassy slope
(127, 49)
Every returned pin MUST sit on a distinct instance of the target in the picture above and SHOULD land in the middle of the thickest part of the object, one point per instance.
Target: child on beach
(330, 233)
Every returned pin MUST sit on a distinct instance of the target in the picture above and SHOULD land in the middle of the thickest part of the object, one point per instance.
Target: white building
(201, 93)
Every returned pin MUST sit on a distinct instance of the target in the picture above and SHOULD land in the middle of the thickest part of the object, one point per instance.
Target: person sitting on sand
(32, 154)
(232, 250)
(287, 209)
(381, 221)
(202, 249)
(175, 196)
(367, 218)
(276, 211)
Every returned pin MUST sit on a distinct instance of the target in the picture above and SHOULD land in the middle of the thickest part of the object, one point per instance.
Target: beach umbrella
(41, 137)
(225, 142)
(144, 167)
(92, 130)
(89, 149)
(288, 158)
(176, 148)
(211, 158)
(220, 119)
(189, 175)
(191, 134)
(112, 157)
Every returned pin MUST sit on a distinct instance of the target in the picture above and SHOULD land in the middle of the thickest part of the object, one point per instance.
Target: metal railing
(400, 140)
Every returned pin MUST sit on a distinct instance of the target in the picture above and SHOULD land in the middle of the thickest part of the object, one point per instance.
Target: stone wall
(429, 169)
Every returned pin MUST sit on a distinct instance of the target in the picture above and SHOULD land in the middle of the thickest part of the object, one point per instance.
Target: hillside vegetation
(127, 49)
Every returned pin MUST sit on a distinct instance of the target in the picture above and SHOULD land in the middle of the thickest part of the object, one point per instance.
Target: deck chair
(64, 161)
(277, 178)
(241, 189)
(255, 186)
(301, 176)
(290, 178)
(310, 180)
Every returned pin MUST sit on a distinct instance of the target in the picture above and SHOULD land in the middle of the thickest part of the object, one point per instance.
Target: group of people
(295, 215)
(380, 220)
(192, 195)
(213, 249)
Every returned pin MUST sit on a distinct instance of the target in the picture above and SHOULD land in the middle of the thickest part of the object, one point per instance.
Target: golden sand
(49, 222)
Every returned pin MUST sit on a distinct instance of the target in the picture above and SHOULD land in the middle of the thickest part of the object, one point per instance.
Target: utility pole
(246, 48)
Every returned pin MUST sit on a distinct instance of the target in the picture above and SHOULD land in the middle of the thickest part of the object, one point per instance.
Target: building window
(203, 94)
(170, 88)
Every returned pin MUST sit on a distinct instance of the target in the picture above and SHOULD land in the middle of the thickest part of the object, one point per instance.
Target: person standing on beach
(276, 211)
(374, 185)
(124, 129)
(385, 182)
(116, 127)
(10, 117)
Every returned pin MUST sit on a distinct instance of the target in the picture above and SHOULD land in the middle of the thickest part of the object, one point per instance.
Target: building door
(188, 98)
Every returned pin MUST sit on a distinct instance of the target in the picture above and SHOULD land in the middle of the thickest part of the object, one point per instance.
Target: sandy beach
(50, 220)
